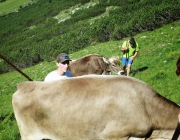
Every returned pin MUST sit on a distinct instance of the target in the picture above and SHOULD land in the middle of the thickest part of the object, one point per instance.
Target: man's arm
(124, 47)
(134, 56)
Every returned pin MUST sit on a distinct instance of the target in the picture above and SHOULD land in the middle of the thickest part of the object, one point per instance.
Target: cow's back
(91, 64)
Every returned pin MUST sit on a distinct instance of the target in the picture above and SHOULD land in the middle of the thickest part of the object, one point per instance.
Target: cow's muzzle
(121, 72)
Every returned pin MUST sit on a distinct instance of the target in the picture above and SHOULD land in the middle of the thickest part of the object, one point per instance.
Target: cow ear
(105, 60)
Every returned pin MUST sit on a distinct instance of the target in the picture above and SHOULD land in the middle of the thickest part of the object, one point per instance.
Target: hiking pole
(1, 56)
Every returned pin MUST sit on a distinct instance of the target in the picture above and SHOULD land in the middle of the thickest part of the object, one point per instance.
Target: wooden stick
(1, 56)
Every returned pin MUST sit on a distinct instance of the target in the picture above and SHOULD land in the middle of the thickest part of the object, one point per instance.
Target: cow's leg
(117, 129)
(114, 131)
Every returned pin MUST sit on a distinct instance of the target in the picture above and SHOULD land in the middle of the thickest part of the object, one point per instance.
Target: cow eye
(113, 65)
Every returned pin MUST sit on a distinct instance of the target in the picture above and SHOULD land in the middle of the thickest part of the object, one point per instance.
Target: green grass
(13, 5)
(155, 65)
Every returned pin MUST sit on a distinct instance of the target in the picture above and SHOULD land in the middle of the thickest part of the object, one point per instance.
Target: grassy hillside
(155, 65)
(36, 34)
(10, 6)
(41, 29)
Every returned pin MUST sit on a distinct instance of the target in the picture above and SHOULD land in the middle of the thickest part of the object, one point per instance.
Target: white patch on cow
(111, 60)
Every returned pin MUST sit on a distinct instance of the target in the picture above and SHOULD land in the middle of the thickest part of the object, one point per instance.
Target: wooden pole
(1, 56)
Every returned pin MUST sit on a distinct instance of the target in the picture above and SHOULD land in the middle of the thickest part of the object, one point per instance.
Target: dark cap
(62, 57)
(132, 41)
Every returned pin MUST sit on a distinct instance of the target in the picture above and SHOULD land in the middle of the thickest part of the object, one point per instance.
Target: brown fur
(91, 107)
(94, 64)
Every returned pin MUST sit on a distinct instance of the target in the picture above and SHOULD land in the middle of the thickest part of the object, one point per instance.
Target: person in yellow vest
(130, 51)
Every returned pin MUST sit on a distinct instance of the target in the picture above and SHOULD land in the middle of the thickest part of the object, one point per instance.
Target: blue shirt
(68, 73)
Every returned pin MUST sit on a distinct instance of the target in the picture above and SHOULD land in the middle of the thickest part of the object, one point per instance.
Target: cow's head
(112, 65)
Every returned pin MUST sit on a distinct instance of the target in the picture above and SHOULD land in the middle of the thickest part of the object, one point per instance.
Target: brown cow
(178, 67)
(91, 107)
(94, 64)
